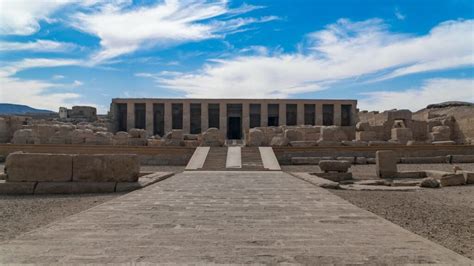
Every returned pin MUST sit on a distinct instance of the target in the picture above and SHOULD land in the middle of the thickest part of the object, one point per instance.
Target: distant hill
(18, 109)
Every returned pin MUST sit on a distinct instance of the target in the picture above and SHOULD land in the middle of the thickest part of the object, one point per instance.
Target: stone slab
(198, 158)
(336, 177)
(11, 188)
(226, 217)
(357, 187)
(315, 180)
(234, 158)
(269, 159)
(31, 167)
(106, 168)
(74, 187)
(143, 181)
(462, 158)
(386, 163)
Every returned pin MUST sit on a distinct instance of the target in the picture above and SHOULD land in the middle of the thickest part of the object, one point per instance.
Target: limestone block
(154, 142)
(350, 159)
(362, 126)
(336, 177)
(468, 176)
(462, 158)
(191, 143)
(415, 142)
(138, 133)
(100, 138)
(293, 134)
(172, 142)
(429, 182)
(303, 143)
(361, 160)
(279, 141)
(366, 135)
(190, 136)
(355, 143)
(137, 142)
(333, 133)
(79, 136)
(402, 135)
(452, 180)
(256, 137)
(10, 188)
(327, 143)
(74, 187)
(311, 133)
(371, 161)
(386, 164)
(106, 168)
(212, 137)
(446, 142)
(23, 136)
(437, 174)
(440, 133)
(176, 134)
(24, 167)
(334, 166)
(308, 160)
(121, 138)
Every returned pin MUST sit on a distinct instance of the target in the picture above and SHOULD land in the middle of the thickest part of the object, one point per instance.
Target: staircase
(242, 159)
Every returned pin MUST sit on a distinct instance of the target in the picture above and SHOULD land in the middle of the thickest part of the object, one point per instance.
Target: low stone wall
(147, 155)
(462, 153)
(45, 173)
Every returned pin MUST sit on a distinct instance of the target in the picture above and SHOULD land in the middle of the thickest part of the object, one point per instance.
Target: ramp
(269, 159)
(234, 158)
(198, 158)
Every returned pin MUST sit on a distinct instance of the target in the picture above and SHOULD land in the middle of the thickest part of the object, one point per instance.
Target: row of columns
(223, 116)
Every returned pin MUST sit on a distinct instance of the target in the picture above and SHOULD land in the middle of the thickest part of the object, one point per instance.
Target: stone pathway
(226, 217)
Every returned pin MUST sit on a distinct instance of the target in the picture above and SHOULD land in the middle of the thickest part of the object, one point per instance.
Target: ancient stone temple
(233, 117)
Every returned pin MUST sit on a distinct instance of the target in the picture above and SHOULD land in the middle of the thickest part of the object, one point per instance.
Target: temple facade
(233, 117)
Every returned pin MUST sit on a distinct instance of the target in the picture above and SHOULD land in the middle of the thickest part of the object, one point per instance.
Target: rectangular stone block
(106, 168)
(336, 177)
(366, 135)
(386, 164)
(468, 176)
(74, 187)
(462, 158)
(24, 167)
(452, 180)
(9, 188)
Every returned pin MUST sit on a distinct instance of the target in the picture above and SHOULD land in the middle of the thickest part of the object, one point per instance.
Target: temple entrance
(234, 129)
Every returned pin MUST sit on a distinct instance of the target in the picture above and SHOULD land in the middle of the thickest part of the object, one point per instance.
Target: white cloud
(123, 29)
(37, 46)
(399, 14)
(35, 92)
(345, 50)
(432, 91)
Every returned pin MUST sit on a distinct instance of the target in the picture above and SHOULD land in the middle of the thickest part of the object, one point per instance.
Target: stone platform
(226, 217)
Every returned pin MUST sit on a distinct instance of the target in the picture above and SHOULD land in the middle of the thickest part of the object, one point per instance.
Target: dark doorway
(234, 130)
(122, 116)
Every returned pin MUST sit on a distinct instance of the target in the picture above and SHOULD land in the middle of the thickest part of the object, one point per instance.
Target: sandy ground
(445, 216)
(20, 214)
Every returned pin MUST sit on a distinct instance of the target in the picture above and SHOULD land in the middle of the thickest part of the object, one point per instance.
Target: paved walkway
(226, 217)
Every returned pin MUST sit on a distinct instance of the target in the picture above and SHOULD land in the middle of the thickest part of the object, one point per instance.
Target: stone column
(204, 117)
(282, 114)
(186, 118)
(149, 118)
(245, 117)
(319, 114)
(168, 117)
(130, 115)
(264, 115)
(223, 118)
(337, 114)
(300, 116)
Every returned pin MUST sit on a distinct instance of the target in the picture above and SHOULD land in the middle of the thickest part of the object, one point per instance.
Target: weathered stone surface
(79, 136)
(293, 134)
(328, 143)
(175, 134)
(462, 158)
(452, 180)
(361, 160)
(468, 176)
(335, 177)
(429, 182)
(190, 136)
(440, 133)
(366, 135)
(106, 168)
(172, 142)
(362, 126)
(355, 143)
(121, 138)
(191, 143)
(74, 187)
(256, 137)
(386, 164)
(22, 167)
(350, 159)
(437, 174)
(100, 138)
(212, 137)
(334, 166)
(308, 160)
(317, 181)
(155, 142)
(143, 181)
(411, 174)
(446, 142)
(371, 161)
(402, 135)
(333, 133)
(23, 136)
(137, 142)
(138, 133)
(303, 143)
(381, 143)
(420, 160)
(279, 141)
(10, 188)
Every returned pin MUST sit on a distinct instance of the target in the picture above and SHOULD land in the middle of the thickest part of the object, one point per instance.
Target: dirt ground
(445, 216)
(20, 214)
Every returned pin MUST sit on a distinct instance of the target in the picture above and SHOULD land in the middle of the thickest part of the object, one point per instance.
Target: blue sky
(386, 54)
